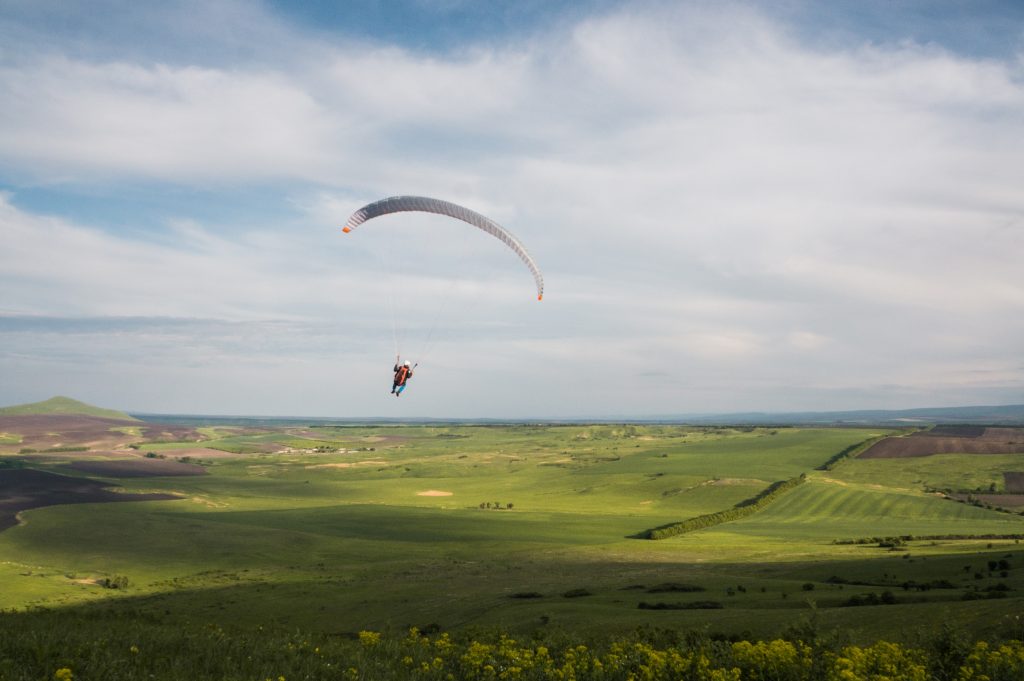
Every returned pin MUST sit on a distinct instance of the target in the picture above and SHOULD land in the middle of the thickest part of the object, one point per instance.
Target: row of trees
(850, 452)
(740, 510)
(885, 542)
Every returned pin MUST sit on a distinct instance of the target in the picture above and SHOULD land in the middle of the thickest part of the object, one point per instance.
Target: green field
(529, 529)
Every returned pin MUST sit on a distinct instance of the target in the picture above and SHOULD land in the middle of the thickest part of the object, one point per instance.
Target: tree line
(741, 510)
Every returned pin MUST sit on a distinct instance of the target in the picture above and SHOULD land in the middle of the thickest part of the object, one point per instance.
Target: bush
(883, 660)
(886, 598)
(1002, 663)
(692, 605)
(115, 582)
(674, 587)
(576, 593)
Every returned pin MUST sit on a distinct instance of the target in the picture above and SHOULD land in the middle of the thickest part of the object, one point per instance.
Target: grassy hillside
(521, 528)
(64, 405)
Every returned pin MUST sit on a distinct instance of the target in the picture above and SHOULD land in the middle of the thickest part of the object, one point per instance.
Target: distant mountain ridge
(1001, 415)
(64, 405)
(1010, 414)
(1007, 414)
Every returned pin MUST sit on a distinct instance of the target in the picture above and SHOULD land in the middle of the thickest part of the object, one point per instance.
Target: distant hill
(1009, 414)
(64, 405)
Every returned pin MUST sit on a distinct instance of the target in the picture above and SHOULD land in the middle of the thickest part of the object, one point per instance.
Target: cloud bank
(728, 216)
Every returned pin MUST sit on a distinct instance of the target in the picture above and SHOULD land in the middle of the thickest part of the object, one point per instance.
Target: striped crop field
(827, 508)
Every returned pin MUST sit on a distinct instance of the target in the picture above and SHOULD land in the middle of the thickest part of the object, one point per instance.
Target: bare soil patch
(160, 432)
(1013, 501)
(991, 441)
(45, 431)
(728, 482)
(22, 489)
(434, 493)
(956, 431)
(385, 438)
(1013, 482)
(137, 468)
(350, 464)
(197, 453)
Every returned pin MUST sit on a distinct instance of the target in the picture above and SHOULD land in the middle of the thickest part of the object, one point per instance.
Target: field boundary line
(852, 451)
(743, 509)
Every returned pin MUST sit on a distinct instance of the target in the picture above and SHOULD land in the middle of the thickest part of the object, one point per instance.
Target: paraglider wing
(422, 204)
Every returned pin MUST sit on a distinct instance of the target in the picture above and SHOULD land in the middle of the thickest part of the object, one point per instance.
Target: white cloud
(69, 119)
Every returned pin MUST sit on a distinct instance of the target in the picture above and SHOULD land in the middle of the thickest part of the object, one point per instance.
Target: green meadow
(528, 529)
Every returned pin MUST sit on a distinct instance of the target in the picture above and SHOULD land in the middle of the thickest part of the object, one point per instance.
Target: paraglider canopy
(399, 204)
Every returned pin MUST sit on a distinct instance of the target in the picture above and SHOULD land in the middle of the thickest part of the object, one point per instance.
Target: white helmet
(406, 362)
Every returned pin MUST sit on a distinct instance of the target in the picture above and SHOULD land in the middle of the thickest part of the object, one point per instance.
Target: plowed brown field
(137, 468)
(23, 488)
(44, 431)
(160, 432)
(949, 440)
(1011, 501)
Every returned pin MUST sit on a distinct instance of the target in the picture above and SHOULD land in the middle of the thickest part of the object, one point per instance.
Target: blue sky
(737, 206)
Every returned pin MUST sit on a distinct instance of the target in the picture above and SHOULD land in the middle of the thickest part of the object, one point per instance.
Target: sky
(737, 206)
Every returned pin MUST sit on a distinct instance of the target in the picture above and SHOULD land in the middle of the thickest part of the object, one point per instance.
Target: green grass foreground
(69, 647)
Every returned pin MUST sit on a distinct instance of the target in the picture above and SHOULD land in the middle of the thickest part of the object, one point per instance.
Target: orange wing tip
(540, 296)
(346, 229)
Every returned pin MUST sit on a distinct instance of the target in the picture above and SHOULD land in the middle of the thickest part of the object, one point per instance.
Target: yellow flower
(725, 674)
(882, 660)
(62, 674)
(368, 638)
(443, 643)
(1004, 662)
(134, 650)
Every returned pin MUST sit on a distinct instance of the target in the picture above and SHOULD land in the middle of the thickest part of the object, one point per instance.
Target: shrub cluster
(740, 510)
(904, 538)
(577, 593)
(90, 648)
(674, 587)
(886, 598)
(906, 585)
(691, 605)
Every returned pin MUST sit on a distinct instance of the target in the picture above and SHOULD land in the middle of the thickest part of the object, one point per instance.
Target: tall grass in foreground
(68, 647)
